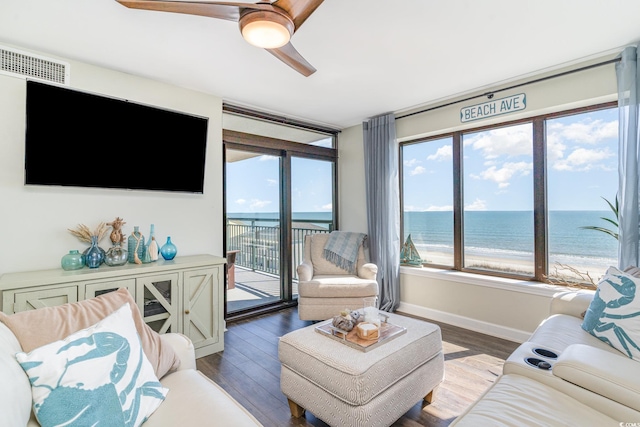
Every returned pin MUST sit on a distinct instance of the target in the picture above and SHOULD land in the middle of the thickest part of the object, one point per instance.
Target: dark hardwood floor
(249, 370)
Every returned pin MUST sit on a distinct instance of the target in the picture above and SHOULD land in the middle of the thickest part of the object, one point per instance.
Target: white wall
(589, 87)
(351, 184)
(34, 219)
(506, 308)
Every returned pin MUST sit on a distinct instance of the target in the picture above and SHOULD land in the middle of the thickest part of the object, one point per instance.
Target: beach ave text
(492, 108)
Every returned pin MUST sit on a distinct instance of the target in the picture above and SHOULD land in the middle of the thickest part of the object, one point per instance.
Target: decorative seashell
(344, 323)
(357, 316)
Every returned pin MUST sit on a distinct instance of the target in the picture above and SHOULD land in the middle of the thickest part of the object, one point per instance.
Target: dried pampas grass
(83, 232)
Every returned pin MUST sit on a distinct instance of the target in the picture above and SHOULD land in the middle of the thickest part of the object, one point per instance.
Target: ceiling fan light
(266, 30)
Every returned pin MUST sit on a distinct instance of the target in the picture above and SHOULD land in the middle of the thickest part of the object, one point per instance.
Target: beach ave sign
(493, 108)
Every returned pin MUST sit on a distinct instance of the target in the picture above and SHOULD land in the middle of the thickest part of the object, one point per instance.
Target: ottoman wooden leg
(429, 397)
(296, 410)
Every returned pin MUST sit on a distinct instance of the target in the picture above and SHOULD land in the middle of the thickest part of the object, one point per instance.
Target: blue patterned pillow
(614, 314)
(96, 375)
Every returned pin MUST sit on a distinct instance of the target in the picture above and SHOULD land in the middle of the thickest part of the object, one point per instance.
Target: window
(498, 199)
(428, 199)
(582, 164)
(531, 196)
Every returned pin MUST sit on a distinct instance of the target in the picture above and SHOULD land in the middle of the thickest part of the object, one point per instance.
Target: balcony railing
(258, 242)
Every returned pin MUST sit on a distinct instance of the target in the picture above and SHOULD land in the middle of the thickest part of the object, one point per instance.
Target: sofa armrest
(611, 375)
(573, 303)
(368, 271)
(305, 272)
(183, 347)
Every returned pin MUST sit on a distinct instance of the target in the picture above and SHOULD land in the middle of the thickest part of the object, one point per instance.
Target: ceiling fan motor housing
(266, 29)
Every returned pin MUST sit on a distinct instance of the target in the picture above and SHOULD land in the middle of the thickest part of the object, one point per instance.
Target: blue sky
(582, 168)
(498, 168)
(252, 185)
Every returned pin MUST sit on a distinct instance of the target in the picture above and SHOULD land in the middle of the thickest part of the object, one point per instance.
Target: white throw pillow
(96, 375)
(614, 313)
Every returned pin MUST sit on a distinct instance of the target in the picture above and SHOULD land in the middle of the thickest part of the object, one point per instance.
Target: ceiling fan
(265, 24)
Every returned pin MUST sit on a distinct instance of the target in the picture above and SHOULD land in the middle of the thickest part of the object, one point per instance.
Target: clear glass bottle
(116, 255)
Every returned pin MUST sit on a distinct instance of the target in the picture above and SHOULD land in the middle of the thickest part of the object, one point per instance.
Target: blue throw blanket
(342, 249)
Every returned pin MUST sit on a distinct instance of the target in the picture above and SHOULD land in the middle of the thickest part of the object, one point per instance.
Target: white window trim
(513, 285)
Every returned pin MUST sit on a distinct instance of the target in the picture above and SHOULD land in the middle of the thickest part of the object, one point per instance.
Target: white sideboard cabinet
(182, 295)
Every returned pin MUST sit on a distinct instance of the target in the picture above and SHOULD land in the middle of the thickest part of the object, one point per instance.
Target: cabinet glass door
(96, 289)
(158, 296)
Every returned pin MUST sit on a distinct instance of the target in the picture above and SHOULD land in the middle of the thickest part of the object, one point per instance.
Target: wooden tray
(388, 332)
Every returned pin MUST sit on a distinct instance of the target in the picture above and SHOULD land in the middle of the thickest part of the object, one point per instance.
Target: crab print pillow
(94, 376)
(614, 314)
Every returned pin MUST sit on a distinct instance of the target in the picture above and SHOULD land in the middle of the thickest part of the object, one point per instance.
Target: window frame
(540, 212)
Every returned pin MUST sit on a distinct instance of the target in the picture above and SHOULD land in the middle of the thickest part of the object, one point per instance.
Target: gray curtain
(383, 205)
(628, 75)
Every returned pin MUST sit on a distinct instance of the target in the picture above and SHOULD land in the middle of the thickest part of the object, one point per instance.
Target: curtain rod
(259, 115)
(491, 93)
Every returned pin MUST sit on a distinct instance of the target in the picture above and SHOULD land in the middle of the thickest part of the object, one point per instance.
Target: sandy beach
(594, 268)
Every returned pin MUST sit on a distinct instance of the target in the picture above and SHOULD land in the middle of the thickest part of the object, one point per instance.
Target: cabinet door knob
(186, 312)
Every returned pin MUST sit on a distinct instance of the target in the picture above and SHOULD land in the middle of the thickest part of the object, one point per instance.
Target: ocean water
(497, 234)
(320, 216)
(509, 235)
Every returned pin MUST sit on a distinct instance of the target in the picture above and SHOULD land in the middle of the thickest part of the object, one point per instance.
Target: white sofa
(589, 383)
(193, 399)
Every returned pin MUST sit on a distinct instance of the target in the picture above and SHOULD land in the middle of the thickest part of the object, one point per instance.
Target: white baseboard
(465, 322)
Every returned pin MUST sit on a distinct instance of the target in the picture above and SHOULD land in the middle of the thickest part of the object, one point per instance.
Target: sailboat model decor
(409, 254)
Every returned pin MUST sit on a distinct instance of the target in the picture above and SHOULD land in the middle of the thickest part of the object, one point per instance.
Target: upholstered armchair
(324, 289)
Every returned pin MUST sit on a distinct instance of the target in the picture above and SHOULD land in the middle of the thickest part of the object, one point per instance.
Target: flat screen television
(80, 139)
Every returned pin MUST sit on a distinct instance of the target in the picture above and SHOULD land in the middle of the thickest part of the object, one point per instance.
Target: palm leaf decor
(614, 209)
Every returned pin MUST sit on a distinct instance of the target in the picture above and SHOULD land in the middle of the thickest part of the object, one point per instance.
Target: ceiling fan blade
(290, 56)
(223, 10)
(298, 10)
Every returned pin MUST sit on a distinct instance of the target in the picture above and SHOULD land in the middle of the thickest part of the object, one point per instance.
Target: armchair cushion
(337, 287)
(321, 266)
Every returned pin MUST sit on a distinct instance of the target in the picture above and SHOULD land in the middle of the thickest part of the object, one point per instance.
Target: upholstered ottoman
(345, 386)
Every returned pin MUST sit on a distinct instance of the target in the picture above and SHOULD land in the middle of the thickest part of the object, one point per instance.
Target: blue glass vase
(168, 250)
(72, 261)
(94, 256)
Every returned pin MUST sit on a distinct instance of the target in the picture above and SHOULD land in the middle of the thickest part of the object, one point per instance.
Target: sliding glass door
(254, 224)
(279, 186)
(311, 204)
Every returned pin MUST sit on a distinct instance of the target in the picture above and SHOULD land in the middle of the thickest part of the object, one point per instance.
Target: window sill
(512, 285)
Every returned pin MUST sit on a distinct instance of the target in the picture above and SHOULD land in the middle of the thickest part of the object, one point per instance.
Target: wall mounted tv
(80, 139)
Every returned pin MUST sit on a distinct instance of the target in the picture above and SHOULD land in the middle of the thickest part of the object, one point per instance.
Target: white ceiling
(372, 56)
